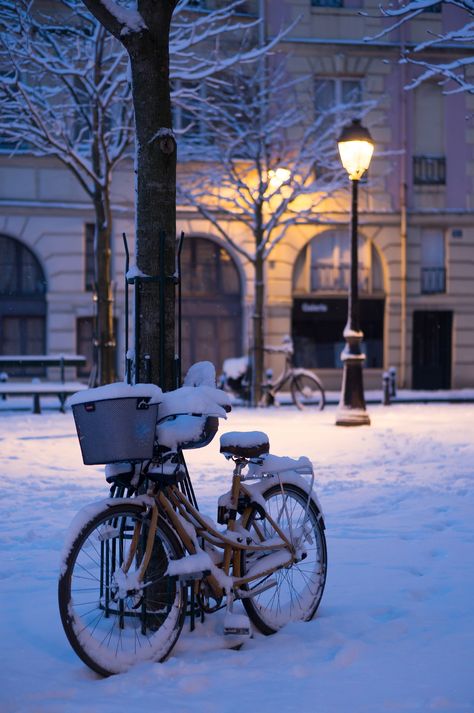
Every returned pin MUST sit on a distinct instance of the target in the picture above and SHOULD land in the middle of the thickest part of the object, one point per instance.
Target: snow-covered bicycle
(129, 562)
(305, 387)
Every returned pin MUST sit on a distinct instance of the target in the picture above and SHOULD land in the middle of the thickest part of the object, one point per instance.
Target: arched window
(212, 303)
(320, 286)
(22, 300)
(324, 265)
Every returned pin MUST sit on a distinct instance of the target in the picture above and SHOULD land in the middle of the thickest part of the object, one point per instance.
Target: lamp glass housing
(355, 157)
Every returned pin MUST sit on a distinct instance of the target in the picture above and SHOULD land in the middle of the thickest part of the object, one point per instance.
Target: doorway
(212, 304)
(432, 338)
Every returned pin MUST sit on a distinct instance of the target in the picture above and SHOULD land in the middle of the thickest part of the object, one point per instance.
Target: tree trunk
(155, 204)
(258, 307)
(104, 336)
(258, 333)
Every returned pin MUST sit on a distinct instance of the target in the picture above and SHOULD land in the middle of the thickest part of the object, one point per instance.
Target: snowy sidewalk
(395, 631)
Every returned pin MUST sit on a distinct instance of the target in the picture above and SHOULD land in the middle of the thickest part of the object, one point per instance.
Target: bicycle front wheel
(307, 390)
(113, 621)
(297, 590)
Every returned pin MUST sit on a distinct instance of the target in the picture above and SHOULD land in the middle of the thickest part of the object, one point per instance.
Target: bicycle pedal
(237, 626)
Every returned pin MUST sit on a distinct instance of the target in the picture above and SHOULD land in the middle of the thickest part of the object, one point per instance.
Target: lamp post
(355, 149)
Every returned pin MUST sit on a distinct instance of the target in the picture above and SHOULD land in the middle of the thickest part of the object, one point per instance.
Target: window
(327, 3)
(320, 284)
(22, 303)
(187, 97)
(429, 170)
(85, 328)
(20, 271)
(331, 92)
(85, 344)
(89, 258)
(433, 270)
(324, 265)
(212, 304)
(429, 163)
(336, 100)
(318, 326)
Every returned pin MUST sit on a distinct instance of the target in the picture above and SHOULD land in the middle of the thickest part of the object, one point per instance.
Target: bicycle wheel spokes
(307, 391)
(111, 619)
(298, 589)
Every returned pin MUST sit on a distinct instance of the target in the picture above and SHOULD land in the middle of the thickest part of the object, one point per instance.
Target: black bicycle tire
(65, 599)
(250, 606)
(295, 389)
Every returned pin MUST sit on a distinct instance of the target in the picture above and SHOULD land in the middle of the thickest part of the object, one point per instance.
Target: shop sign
(314, 307)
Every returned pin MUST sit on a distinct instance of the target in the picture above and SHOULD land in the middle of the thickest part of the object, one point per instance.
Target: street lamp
(355, 149)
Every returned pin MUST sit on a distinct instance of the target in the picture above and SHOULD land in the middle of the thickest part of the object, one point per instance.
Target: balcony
(328, 278)
(429, 170)
(433, 280)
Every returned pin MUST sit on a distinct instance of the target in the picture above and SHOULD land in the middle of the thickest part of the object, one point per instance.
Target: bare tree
(265, 169)
(66, 93)
(146, 32)
(455, 71)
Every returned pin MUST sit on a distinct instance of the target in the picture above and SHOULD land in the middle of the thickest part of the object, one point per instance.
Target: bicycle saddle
(244, 444)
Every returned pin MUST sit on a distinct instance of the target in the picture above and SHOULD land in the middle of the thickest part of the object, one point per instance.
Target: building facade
(416, 224)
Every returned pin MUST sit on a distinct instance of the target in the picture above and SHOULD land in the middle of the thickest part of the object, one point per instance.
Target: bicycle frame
(176, 508)
(272, 387)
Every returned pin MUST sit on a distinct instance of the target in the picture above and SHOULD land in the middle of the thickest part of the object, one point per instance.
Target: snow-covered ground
(395, 630)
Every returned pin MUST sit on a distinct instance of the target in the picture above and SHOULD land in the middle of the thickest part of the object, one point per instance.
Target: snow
(194, 400)
(245, 439)
(395, 628)
(119, 390)
(131, 19)
(202, 373)
(235, 367)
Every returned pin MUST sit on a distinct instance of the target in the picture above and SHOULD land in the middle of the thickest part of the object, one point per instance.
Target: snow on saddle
(244, 444)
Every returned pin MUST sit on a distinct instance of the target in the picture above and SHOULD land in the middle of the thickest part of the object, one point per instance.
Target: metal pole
(351, 410)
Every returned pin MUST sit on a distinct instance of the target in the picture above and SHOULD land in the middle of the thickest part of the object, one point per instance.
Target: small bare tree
(65, 92)
(457, 73)
(266, 168)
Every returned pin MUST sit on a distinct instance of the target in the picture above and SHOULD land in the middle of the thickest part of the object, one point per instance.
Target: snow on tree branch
(453, 72)
(250, 160)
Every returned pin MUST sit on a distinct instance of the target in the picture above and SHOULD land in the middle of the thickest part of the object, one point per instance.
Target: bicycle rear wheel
(307, 390)
(111, 621)
(298, 589)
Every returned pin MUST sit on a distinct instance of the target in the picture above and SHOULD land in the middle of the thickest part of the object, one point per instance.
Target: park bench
(35, 388)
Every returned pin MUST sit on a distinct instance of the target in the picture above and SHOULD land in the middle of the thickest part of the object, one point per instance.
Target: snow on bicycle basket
(116, 422)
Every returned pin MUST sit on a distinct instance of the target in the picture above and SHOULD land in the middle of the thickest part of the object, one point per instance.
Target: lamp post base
(352, 417)
(351, 410)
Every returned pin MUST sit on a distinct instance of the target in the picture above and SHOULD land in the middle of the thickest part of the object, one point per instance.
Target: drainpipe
(403, 215)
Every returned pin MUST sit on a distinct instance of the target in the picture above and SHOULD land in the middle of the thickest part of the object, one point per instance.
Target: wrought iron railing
(429, 170)
(433, 280)
(328, 278)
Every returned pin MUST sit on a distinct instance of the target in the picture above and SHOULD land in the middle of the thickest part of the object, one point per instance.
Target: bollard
(392, 372)
(386, 388)
(3, 380)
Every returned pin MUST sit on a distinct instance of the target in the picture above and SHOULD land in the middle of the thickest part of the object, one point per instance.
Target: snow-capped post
(145, 34)
(355, 147)
(386, 388)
